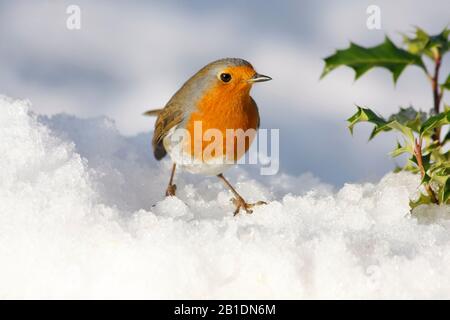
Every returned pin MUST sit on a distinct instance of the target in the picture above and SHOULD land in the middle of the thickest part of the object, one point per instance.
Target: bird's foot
(170, 192)
(241, 204)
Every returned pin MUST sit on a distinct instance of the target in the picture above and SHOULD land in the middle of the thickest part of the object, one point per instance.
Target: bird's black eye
(225, 77)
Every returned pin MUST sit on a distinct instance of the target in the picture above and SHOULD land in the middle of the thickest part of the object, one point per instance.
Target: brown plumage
(218, 96)
(168, 117)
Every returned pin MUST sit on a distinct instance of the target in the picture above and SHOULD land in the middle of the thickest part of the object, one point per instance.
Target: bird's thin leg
(238, 201)
(171, 188)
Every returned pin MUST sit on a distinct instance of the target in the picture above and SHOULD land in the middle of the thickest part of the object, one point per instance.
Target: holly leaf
(440, 173)
(417, 43)
(409, 117)
(445, 191)
(423, 199)
(446, 138)
(399, 150)
(435, 121)
(411, 167)
(446, 84)
(361, 59)
(423, 43)
(406, 131)
(367, 115)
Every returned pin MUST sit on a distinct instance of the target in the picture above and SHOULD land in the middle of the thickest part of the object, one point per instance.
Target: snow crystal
(82, 215)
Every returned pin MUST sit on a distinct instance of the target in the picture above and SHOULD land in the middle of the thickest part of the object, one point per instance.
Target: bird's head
(231, 75)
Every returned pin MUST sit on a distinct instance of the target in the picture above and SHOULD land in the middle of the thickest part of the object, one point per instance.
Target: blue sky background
(133, 55)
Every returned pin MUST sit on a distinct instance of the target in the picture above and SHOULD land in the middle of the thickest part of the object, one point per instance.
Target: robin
(215, 98)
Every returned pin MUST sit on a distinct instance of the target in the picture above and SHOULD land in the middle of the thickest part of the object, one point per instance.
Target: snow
(82, 216)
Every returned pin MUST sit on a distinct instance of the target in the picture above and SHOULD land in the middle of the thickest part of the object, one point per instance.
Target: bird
(218, 98)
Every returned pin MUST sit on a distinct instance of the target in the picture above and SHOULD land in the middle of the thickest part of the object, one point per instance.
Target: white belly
(184, 160)
(207, 169)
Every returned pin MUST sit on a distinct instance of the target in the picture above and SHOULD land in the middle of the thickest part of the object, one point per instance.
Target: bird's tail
(152, 113)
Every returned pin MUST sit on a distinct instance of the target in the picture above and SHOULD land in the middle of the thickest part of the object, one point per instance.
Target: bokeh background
(133, 55)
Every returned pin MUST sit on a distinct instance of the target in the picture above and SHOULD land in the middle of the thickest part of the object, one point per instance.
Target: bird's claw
(171, 189)
(241, 204)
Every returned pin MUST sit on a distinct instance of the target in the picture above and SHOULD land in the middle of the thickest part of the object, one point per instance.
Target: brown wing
(152, 113)
(169, 117)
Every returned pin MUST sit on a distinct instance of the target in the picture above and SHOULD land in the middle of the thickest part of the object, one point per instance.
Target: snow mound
(82, 216)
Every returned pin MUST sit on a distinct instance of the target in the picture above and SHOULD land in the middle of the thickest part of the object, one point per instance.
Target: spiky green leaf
(435, 121)
(417, 43)
(446, 84)
(409, 117)
(367, 115)
(440, 172)
(399, 150)
(445, 191)
(423, 43)
(407, 132)
(446, 138)
(423, 199)
(360, 59)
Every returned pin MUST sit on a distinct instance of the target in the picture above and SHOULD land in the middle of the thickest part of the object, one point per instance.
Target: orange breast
(228, 119)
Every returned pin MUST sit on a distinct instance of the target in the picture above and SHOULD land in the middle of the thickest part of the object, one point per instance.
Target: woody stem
(437, 96)
(419, 158)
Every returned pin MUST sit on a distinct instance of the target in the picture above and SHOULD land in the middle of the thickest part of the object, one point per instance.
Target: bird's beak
(259, 78)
